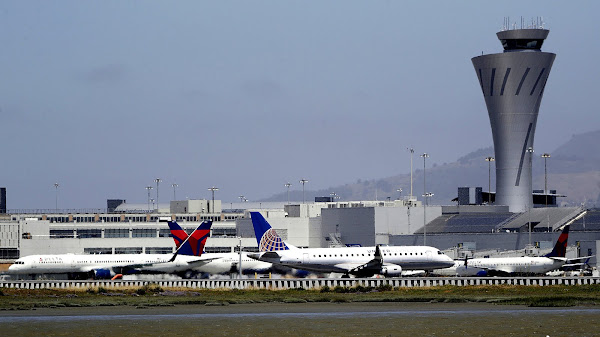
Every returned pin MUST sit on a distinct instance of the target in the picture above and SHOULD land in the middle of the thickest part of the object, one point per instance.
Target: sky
(102, 97)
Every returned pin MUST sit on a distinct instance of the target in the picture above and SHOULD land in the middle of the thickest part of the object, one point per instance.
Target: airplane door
(305, 258)
(428, 253)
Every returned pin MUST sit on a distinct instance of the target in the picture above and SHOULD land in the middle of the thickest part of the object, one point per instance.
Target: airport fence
(281, 284)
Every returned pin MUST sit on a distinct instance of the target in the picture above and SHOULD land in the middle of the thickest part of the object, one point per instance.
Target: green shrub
(325, 289)
(149, 288)
(384, 287)
(340, 289)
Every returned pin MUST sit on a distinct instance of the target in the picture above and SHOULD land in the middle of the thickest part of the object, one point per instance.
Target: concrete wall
(355, 225)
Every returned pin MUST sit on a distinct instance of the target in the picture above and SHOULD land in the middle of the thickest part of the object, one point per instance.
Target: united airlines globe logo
(270, 241)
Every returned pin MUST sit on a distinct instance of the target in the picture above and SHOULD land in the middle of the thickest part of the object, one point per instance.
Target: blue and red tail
(560, 249)
(266, 237)
(178, 234)
(192, 244)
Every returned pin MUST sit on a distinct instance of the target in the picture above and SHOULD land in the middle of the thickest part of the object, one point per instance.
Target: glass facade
(116, 233)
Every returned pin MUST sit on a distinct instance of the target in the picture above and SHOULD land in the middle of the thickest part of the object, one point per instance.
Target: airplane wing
(202, 261)
(370, 268)
(266, 256)
(576, 263)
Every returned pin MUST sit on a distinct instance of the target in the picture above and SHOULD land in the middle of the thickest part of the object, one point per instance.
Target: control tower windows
(520, 44)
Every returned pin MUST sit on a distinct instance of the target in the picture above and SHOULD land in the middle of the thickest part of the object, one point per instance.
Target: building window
(224, 232)
(89, 233)
(159, 250)
(61, 234)
(128, 250)
(217, 249)
(164, 233)
(58, 219)
(143, 233)
(9, 253)
(97, 250)
(116, 232)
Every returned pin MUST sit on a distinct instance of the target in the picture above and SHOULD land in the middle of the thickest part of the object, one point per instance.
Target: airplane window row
(352, 255)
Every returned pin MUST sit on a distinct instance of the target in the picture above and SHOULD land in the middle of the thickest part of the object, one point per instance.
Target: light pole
(546, 156)
(157, 181)
(425, 156)
(400, 193)
(213, 189)
(288, 184)
(174, 194)
(489, 160)
(412, 151)
(56, 197)
(530, 151)
(240, 266)
(425, 196)
(303, 181)
(149, 188)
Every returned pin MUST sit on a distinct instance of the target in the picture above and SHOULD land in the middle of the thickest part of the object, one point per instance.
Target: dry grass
(153, 295)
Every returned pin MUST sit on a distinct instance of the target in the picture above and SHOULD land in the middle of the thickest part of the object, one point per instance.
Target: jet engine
(100, 274)
(391, 270)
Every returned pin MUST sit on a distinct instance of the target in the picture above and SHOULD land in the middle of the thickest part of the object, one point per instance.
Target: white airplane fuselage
(223, 263)
(509, 265)
(345, 258)
(72, 263)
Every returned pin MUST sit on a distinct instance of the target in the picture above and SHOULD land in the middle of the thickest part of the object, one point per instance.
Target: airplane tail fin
(266, 237)
(179, 235)
(194, 243)
(560, 249)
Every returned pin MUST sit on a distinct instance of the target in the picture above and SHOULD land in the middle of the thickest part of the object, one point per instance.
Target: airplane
(109, 266)
(358, 261)
(215, 263)
(521, 265)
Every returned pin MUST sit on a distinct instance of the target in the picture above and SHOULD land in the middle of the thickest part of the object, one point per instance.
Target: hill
(573, 170)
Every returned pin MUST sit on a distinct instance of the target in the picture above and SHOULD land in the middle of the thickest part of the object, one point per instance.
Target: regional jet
(357, 261)
(105, 266)
(522, 265)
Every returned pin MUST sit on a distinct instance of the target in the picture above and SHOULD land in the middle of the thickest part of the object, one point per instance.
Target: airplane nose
(448, 261)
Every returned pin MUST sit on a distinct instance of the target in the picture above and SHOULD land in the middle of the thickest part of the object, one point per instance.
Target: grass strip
(153, 295)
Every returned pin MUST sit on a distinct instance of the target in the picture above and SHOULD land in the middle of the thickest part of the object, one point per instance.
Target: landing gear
(188, 274)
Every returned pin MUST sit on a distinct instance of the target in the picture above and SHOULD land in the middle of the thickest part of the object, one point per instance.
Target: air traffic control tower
(513, 84)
